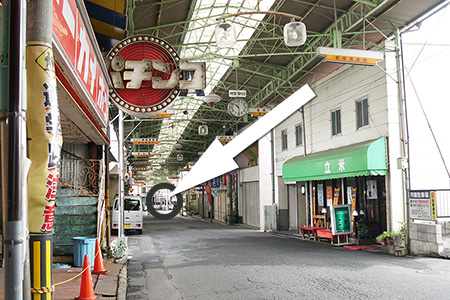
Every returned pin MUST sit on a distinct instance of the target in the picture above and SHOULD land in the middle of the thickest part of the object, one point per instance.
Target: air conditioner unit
(270, 217)
(203, 130)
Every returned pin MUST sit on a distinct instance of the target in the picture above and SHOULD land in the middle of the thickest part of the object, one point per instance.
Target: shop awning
(364, 159)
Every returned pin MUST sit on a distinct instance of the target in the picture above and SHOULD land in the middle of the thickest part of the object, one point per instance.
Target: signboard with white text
(422, 204)
(80, 66)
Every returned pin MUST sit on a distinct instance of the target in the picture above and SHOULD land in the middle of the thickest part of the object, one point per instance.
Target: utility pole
(44, 143)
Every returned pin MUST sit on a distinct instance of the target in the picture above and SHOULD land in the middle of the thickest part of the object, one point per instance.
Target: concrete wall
(426, 239)
(265, 175)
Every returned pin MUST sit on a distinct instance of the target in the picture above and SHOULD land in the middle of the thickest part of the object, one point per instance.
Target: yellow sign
(433, 205)
(350, 56)
(162, 115)
(142, 154)
(258, 112)
(46, 62)
(145, 141)
(225, 138)
(44, 138)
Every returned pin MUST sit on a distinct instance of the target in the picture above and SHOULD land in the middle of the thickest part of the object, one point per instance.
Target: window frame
(284, 140)
(298, 142)
(362, 113)
(335, 125)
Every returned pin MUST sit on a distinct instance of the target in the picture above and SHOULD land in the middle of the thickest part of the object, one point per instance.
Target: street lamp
(294, 31)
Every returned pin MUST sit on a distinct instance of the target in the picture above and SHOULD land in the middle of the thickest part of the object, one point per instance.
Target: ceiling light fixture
(294, 31)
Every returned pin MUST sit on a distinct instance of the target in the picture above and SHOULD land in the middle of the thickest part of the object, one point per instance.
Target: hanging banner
(329, 195)
(208, 193)
(44, 138)
(320, 194)
(336, 196)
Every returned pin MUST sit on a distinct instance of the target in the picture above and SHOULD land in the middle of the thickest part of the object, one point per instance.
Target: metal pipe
(12, 203)
(121, 175)
(260, 12)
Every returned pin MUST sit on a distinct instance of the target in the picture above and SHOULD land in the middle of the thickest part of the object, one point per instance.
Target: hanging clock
(237, 107)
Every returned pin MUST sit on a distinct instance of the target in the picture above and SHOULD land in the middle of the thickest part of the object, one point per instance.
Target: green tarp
(364, 159)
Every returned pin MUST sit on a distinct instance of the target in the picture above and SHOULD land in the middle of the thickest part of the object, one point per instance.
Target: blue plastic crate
(82, 246)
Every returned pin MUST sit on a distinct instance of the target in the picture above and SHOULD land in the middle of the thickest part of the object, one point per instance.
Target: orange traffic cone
(99, 267)
(87, 288)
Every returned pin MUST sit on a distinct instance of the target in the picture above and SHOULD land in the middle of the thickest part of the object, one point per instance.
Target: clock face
(237, 107)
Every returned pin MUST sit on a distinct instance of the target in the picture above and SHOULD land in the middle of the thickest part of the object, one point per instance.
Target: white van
(132, 214)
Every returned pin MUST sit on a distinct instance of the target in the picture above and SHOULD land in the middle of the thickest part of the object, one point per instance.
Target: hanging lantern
(212, 98)
(225, 35)
(294, 34)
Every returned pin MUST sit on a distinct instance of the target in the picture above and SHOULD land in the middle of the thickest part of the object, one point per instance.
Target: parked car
(133, 211)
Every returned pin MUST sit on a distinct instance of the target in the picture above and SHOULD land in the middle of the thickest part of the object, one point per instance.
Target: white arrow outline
(218, 159)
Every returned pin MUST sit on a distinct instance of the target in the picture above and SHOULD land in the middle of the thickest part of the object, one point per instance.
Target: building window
(362, 113)
(298, 135)
(284, 143)
(336, 122)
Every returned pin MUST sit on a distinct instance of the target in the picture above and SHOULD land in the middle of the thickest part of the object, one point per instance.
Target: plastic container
(82, 246)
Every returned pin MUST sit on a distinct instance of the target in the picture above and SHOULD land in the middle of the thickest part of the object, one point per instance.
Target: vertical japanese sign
(208, 193)
(329, 195)
(45, 138)
(336, 196)
(320, 194)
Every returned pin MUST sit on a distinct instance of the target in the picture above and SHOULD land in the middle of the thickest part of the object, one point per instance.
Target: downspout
(12, 153)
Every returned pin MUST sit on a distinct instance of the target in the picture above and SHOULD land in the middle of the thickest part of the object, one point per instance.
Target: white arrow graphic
(218, 159)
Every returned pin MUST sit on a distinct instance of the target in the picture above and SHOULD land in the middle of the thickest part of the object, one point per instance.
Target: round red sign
(145, 74)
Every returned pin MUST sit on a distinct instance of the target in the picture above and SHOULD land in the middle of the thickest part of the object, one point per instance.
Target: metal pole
(121, 175)
(404, 132)
(203, 202)
(229, 206)
(107, 196)
(13, 195)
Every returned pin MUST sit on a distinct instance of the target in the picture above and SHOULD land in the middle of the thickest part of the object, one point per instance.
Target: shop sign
(340, 219)
(45, 138)
(215, 182)
(215, 192)
(78, 53)
(422, 204)
(320, 194)
(147, 75)
(329, 195)
(208, 194)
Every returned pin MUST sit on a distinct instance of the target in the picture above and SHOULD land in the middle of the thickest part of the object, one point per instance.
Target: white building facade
(343, 148)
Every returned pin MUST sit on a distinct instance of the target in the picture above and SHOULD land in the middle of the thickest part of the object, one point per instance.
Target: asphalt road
(189, 258)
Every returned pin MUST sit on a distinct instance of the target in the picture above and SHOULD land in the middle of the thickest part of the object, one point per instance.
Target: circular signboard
(145, 73)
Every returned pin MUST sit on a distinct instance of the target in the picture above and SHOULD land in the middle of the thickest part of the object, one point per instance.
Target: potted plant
(386, 238)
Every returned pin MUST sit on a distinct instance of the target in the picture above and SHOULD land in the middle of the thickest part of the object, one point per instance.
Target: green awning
(364, 159)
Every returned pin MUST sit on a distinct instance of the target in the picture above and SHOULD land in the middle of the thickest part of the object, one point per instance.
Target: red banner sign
(83, 63)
